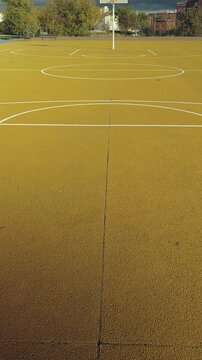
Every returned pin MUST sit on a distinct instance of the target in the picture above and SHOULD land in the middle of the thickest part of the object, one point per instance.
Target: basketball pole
(113, 26)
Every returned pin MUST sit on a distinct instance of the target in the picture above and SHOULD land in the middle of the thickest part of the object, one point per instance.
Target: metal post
(113, 27)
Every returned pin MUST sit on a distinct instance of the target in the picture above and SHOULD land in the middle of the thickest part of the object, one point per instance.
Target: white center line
(19, 69)
(109, 125)
(152, 52)
(74, 52)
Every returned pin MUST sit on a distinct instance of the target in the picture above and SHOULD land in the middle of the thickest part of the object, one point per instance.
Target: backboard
(113, 1)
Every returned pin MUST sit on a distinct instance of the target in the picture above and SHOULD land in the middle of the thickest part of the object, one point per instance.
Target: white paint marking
(152, 52)
(98, 101)
(46, 72)
(16, 52)
(4, 50)
(113, 57)
(115, 70)
(108, 125)
(76, 51)
(20, 69)
(194, 70)
(95, 104)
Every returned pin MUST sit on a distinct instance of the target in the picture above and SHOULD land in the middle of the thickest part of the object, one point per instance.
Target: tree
(189, 22)
(128, 19)
(20, 18)
(142, 19)
(69, 17)
(49, 20)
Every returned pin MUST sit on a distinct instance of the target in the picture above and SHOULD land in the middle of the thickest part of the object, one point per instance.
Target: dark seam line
(99, 344)
(103, 344)
(54, 342)
(199, 346)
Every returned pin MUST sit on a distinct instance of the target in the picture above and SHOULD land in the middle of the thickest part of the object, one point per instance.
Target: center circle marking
(100, 68)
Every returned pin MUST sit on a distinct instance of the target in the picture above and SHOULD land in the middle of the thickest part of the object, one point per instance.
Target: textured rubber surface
(100, 220)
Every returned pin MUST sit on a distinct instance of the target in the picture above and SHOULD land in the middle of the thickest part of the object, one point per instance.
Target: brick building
(181, 6)
(188, 4)
(163, 21)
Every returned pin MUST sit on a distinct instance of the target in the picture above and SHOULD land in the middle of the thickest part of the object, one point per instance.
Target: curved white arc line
(113, 79)
(113, 63)
(95, 104)
(16, 52)
(1, 51)
(181, 72)
(101, 100)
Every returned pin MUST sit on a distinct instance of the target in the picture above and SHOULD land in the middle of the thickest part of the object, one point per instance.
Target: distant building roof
(189, 4)
(1, 18)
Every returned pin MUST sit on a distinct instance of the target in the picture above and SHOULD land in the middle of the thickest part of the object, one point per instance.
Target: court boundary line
(113, 57)
(15, 69)
(104, 125)
(16, 52)
(99, 100)
(147, 56)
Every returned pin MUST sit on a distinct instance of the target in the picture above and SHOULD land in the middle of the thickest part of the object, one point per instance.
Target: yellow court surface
(101, 200)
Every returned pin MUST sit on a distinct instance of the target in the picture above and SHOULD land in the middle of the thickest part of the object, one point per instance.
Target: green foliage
(69, 17)
(189, 23)
(143, 22)
(130, 20)
(20, 18)
(49, 20)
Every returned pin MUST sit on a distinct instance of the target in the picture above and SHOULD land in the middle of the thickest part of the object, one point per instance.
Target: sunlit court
(101, 199)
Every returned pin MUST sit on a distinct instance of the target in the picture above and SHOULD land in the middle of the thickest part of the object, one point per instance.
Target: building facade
(163, 22)
(188, 4)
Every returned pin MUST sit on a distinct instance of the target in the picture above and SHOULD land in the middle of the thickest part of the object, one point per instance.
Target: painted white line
(113, 57)
(114, 70)
(131, 57)
(46, 72)
(76, 51)
(16, 52)
(100, 104)
(152, 52)
(4, 50)
(194, 70)
(20, 69)
(177, 56)
(108, 125)
(98, 101)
